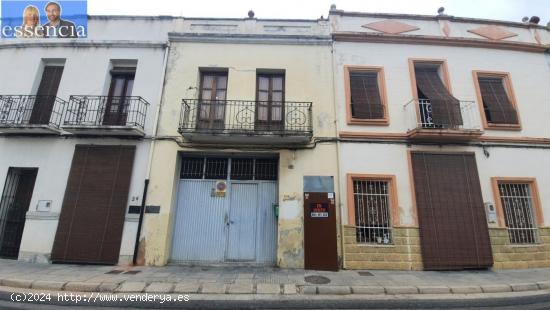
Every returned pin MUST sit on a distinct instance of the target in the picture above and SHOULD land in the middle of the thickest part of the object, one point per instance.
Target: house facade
(244, 137)
(444, 149)
(76, 120)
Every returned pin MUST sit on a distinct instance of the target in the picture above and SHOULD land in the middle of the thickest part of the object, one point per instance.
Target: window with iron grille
(519, 216)
(372, 211)
(264, 169)
(242, 168)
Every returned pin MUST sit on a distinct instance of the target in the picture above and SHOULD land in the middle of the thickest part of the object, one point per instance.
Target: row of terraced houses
(360, 141)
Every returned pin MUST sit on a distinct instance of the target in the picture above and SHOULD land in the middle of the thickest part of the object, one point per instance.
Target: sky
(510, 10)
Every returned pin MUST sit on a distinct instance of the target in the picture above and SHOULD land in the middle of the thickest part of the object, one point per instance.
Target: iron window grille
(518, 208)
(372, 211)
(210, 168)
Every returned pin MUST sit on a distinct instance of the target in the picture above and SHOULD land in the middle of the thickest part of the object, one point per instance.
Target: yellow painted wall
(308, 77)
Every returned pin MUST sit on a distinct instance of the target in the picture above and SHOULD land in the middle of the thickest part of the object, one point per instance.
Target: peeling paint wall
(308, 77)
(294, 165)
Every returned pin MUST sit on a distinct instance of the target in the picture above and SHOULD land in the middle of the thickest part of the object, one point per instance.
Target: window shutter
(445, 107)
(497, 104)
(365, 96)
(45, 96)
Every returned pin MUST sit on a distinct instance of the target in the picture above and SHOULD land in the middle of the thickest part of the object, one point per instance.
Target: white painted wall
(392, 159)
(86, 72)
(53, 156)
(432, 26)
(529, 77)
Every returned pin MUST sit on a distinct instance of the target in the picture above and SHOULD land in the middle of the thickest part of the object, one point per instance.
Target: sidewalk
(274, 281)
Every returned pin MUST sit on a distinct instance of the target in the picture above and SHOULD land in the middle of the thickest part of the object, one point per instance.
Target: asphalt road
(524, 302)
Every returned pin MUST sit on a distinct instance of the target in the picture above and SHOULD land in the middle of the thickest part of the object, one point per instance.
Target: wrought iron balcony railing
(420, 116)
(289, 118)
(97, 111)
(28, 110)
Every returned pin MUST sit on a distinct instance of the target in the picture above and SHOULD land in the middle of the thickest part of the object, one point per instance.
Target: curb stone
(267, 288)
(82, 287)
(48, 285)
(395, 290)
(160, 287)
(522, 287)
(240, 288)
(334, 290)
(308, 290)
(434, 289)
(107, 287)
(213, 288)
(192, 288)
(131, 287)
(544, 285)
(17, 283)
(289, 289)
(496, 288)
(370, 290)
(466, 289)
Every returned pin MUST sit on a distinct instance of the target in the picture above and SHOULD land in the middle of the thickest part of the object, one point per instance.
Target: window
(373, 200)
(270, 101)
(212, 168)
(46, 94)
(120, 91)
(365, 95)
(497, 103)
(212, 96)
(436, 105)
(520, 209)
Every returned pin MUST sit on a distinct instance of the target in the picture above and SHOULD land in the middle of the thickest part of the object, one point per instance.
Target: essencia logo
(44, 19)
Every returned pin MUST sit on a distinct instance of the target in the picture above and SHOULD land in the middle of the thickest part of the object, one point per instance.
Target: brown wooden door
(451, 215)
(45, 96)
(14, 205)
(116, 109)
(320, 245)
(270, 102)
(212, 96)
(92, 217)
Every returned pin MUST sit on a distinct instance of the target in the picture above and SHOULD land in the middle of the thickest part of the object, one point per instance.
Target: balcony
(106, 116)
(246, 122)
(30, 115)
(421, 124)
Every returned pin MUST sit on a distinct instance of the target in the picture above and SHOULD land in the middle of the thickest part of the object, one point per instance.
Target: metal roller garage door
(238, 226)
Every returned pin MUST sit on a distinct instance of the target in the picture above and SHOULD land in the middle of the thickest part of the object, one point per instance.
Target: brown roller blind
(497, 104)
(445, 107)
(365, 96)
(92, 215)
(451, 215)
(45, 96)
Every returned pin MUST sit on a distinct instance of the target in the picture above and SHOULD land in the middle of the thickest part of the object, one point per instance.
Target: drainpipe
(336, 128)
(151, 148)
(140, 222)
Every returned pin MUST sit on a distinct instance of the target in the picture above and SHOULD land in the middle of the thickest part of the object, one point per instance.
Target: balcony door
(45, 96)
(270, 99)
(116, 108)
(213, 92)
